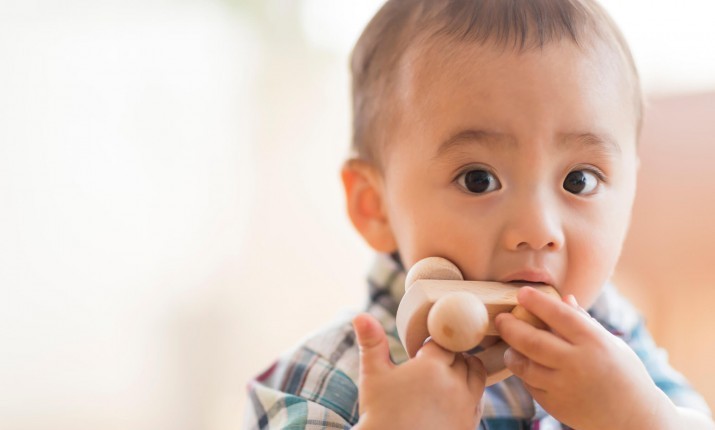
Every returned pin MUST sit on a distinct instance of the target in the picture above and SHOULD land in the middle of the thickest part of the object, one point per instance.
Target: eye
(478, 181)
(581, 182)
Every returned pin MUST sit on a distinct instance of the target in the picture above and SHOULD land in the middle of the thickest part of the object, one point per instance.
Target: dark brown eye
(478, 181)
(581, 182)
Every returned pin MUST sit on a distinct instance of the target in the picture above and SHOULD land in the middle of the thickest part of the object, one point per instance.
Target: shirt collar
(386, 281)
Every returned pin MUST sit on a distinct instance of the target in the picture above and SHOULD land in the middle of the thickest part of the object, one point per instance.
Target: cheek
(590, 261)
(593, 251)
(430, 227)
(413, 222)
(423, 230)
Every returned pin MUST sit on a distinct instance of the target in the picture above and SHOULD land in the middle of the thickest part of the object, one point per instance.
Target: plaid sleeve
(304, 391)
(655, 359)
(621, 318)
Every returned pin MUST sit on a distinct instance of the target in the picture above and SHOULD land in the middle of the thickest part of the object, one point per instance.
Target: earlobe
(366, 205)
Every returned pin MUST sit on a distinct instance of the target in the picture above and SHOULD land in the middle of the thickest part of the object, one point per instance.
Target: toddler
(501, 135)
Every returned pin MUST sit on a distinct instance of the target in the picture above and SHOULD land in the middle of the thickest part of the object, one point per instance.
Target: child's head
(498, 134)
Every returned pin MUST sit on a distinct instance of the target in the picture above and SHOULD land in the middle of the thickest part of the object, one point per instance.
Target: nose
(533, 224)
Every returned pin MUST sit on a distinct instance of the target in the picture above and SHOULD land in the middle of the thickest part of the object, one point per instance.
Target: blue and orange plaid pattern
(315, 385)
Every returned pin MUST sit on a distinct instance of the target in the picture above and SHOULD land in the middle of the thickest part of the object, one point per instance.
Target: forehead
(444, 88)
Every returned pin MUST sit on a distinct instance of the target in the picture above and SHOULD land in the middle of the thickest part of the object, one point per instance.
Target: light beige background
(170, 210)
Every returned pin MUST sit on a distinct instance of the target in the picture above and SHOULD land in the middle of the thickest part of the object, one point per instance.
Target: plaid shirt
(315, 385)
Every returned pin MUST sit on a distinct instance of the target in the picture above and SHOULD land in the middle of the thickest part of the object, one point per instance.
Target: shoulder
(334, 349)
(321, 371)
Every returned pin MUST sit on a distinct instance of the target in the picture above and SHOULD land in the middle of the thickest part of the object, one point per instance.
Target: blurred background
(171, 217)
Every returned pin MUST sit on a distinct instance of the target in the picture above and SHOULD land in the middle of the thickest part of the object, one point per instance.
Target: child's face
(514, 166)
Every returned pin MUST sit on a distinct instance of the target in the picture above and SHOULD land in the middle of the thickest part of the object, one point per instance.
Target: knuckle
(368, 345)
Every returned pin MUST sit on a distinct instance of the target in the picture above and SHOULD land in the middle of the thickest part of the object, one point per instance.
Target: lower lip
(526, 282)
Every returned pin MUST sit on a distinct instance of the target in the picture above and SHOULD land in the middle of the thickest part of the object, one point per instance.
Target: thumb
(372, 341)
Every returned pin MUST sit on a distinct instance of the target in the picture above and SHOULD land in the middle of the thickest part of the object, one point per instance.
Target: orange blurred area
(666, 261)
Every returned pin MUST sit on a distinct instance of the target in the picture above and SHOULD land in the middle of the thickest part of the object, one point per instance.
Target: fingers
(532, 373)
(539, 345)
(562, 318)
(433, 351)
(372, 342)
(476, 375)
(460, 366)
(571, 301)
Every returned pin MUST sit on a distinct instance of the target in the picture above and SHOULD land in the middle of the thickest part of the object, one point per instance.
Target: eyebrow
(602, 141)
(492, 138)
(472, 136)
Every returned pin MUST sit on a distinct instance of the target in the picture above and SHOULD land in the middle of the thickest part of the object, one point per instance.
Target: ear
(366, 206)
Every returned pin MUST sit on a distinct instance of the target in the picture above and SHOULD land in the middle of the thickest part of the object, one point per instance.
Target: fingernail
(508, 356)
(572, 300)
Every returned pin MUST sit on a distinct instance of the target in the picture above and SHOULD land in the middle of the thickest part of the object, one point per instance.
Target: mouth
(529, 277)
(525, 282)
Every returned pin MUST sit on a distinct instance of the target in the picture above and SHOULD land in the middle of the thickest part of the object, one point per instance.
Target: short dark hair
(520, 24)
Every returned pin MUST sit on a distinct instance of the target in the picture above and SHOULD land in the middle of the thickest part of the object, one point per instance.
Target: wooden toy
(458, 314)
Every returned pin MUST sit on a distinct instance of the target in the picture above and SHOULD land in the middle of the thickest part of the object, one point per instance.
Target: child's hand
(436, 389)
(580, 373)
